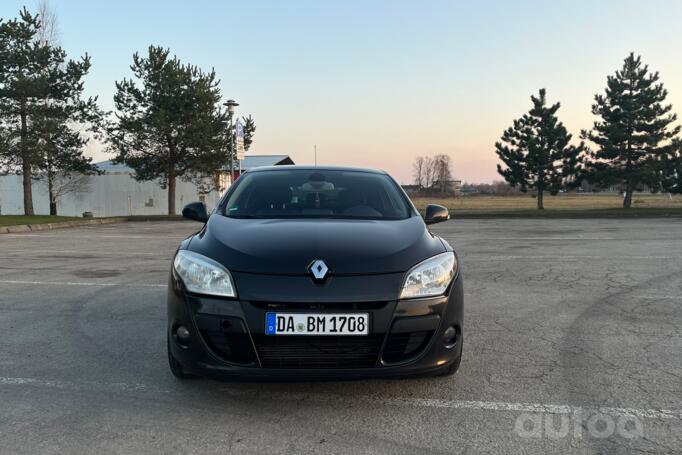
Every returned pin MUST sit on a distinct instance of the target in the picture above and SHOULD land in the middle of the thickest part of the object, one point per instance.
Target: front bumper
(227, 336)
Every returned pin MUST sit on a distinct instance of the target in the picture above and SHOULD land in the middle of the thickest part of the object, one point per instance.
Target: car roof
(289, 167)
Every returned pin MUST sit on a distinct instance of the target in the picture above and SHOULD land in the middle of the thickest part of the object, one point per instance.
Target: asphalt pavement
(573, 344)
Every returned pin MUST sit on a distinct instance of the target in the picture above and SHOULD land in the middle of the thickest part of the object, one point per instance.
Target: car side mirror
(435, 214)
(196, 211)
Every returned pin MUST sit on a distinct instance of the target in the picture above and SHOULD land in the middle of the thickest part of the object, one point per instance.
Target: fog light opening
(182, 335)
(450, 336)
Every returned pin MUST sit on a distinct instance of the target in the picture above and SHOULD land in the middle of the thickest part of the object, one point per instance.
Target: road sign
(239, 143)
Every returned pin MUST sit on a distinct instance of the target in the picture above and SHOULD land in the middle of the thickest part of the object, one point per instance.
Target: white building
(117, 193)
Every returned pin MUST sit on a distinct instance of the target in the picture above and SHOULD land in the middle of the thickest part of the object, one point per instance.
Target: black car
(314, 272)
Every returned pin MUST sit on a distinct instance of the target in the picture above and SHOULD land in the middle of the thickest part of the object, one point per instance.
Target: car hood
(288, 246)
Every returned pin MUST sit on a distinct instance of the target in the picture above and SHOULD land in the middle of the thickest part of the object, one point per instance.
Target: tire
(176, 367)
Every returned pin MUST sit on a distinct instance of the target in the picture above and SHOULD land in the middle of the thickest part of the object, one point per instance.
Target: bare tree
(48, 33)
(418, 171)
(63, 183)
(429, 172)
(63, 120)
(442, 172)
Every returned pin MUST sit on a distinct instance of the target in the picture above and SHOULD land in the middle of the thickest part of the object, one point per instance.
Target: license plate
(316, 324)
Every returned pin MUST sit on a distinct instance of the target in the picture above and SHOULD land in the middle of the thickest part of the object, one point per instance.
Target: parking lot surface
(573, 344)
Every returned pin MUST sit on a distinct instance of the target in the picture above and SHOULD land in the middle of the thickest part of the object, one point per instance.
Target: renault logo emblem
(319, 269)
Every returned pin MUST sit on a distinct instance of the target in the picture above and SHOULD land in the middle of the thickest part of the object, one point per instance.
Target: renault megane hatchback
(314, 272)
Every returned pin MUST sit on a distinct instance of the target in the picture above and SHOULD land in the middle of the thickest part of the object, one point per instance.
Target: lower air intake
(401, 347)
(318, 351)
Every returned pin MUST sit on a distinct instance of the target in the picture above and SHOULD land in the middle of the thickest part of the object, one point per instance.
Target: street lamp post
(231, 105)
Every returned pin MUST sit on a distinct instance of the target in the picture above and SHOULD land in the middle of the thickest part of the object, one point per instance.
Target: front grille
(321, 306)
(318, 351)
(404, 346)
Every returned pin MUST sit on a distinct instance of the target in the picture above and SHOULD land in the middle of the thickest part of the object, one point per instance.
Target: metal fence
(105, 195)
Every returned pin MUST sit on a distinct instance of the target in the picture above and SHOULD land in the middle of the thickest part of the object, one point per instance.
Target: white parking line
(558, 238)
(659, 297)
(364, 400)
(82, 283)
(88, 237)
(578, 238)
(96, 253)
(535, 407)
(475, 257)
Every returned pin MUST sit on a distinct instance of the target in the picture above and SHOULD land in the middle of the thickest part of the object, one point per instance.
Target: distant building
(117, 193)
(452, 187)
(411, 189)
(586, 186)
(468, 189)
(248, 163)
(253, 161)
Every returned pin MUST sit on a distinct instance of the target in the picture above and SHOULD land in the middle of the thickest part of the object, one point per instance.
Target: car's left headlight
(203, 275)
(431, 277)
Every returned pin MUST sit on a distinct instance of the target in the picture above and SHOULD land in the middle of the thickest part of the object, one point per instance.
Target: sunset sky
(377, 83)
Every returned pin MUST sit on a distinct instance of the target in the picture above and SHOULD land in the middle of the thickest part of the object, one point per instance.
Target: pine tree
(249, 131)
(22, 83)
(249, 128)
(59, 156)
(169, 122)
(536, 152)
(61, 127)
(43, 117)
(670, 170)
(634, 135)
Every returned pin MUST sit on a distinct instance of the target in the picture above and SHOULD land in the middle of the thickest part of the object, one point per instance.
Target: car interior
(346, 195)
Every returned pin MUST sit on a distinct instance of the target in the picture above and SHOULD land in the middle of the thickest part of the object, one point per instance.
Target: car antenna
(315, 146)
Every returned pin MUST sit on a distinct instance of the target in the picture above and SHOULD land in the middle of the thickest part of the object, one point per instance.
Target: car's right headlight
(203, 275)
(431, 277)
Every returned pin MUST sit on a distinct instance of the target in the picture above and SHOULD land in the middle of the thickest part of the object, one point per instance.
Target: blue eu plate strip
(270, 323)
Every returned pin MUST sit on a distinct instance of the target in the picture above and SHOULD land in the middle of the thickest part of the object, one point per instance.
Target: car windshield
(312, 193)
